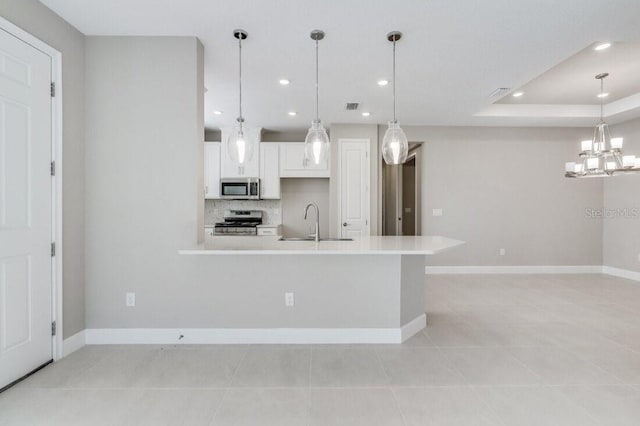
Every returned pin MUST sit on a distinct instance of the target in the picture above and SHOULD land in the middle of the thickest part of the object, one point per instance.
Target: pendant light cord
(601, 99)
(317, 91)
(240, 76)
(394, 80)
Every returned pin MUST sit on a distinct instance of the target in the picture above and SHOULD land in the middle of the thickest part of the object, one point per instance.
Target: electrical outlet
(131, 299)
(437, 212)
(289, 299)
(503, 252)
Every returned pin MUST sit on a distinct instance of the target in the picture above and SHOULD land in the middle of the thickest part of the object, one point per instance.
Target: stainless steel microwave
(240, 189)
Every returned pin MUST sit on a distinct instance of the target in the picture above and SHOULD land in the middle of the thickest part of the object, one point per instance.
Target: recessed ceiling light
(603, 95)
(517, 94)
(366, 114)
(217, 112)
(292, 113)
(603, 46)
(383, 82)
(284, 81)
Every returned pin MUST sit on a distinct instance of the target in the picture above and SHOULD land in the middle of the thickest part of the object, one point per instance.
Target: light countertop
(240, 245)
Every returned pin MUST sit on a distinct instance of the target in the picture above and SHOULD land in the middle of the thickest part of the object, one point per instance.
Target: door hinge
(53, 249)
(53, 328)
(53, 89)
(53, 168)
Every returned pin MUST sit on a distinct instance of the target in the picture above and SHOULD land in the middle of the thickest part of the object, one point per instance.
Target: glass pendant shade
(395, 147)
(240, 145)
(316, 144)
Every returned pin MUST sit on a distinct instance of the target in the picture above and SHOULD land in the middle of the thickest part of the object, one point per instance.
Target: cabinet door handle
(345, 224)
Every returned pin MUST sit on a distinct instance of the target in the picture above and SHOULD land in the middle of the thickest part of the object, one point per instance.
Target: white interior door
(25, 208)
(354, 188)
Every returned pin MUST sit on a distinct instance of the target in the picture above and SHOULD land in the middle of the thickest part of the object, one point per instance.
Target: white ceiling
(453, 53)
(572, 82)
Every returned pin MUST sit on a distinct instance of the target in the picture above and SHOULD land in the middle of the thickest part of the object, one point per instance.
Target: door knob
(345, 224)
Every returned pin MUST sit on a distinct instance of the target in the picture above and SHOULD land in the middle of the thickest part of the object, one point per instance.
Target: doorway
(30, 273)
(402, 195)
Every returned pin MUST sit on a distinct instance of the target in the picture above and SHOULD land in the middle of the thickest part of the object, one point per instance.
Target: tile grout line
(388, 386)
(395, 399)
(308, 419)
(228, 389)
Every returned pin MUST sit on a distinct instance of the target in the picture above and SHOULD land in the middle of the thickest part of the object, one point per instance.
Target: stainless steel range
(239, 222)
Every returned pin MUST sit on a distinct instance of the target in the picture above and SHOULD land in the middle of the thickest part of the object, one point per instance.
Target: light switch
(503, 252)
(437, 212)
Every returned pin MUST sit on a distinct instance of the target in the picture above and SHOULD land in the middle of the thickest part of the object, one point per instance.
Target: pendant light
(602, 155)
(395, 147)
(239, 144)
(316, 144)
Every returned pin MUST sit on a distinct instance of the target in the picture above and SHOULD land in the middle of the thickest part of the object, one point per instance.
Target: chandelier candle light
(239, 144)
(316, 144)
(395, 147)
(602, 155)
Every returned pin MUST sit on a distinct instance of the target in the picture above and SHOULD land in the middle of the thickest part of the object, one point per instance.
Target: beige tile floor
(499, 350)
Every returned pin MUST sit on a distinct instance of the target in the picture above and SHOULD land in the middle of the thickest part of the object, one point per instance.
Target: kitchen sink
(312, 239)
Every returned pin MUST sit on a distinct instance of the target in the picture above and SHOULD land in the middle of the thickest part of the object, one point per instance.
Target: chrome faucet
(306, 210)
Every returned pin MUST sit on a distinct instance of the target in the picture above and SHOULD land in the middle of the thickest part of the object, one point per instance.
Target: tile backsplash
(214, 210)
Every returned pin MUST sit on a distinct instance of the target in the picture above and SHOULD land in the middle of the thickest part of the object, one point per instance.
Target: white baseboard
(552, 269)
(622, 273)
(73, 343)
(166, 336)
(412, 327)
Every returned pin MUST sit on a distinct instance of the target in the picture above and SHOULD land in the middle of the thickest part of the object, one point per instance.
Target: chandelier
(602, 155)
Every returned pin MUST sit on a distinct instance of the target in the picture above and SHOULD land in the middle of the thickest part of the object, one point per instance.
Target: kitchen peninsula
(370, 290)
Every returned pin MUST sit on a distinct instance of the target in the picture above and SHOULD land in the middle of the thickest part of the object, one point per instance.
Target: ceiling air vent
(352, 106)
(499, 92)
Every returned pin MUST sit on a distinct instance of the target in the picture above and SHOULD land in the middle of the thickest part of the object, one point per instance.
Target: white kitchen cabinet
(211, 170)
(269, 230)
(293, 163)
(270, 170)
(251, 168)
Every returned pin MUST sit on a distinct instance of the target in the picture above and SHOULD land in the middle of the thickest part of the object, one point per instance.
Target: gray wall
(505, 188)
(42, 23)
(143, 145)
(621, 238)
(143, 185)
(295, 195)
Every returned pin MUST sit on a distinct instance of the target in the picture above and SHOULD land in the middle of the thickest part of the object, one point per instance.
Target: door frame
(417, 211)
(56, 181)
(339, 201)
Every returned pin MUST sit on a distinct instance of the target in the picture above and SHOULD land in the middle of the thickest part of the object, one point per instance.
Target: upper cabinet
(293, 163)
(251, 168)
(269, 170)
(212, 170)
